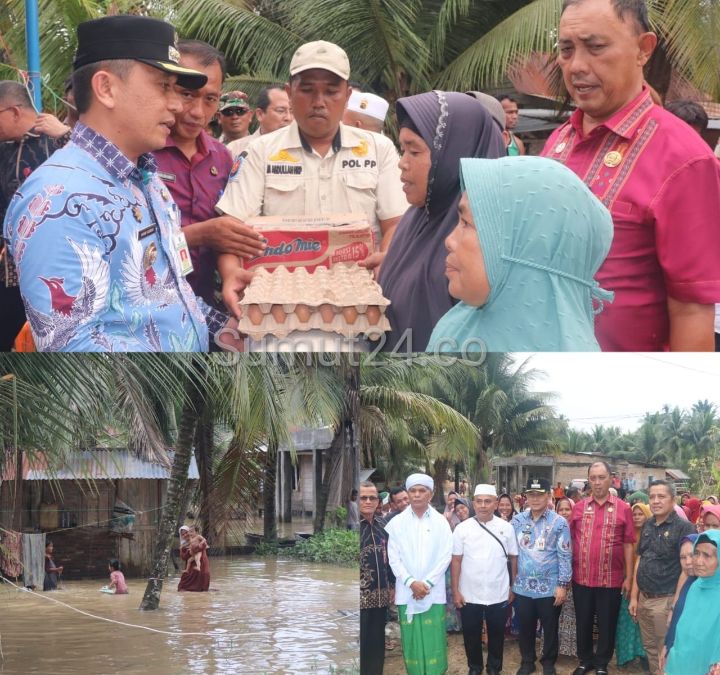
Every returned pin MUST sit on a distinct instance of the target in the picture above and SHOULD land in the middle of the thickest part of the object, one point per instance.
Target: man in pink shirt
(659, 180)
(195, 168)
(602, 531)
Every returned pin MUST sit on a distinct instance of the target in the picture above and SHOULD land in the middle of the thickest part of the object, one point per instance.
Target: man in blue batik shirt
(544, 575)
(94, 232)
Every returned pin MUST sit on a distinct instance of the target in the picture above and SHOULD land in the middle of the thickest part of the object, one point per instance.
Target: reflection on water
(264, 616)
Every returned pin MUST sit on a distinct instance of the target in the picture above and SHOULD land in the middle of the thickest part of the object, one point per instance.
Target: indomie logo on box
(292, 247)
(310, 242)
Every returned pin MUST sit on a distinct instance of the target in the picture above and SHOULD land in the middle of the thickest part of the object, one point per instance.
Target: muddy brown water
(263, 616)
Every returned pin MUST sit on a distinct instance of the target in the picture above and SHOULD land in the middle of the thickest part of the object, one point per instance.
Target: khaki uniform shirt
(280, 174)
(236, 147)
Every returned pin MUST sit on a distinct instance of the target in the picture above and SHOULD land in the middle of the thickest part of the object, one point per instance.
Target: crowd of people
(133, 235)
(598, 575)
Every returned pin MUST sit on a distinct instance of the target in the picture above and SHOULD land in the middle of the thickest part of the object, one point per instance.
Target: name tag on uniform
(147, 231)
(183, 252)
(167, 177)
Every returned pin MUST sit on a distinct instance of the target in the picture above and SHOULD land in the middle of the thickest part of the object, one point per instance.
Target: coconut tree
(497, 397)
(404, 414)
(673, 433)
(396, 47)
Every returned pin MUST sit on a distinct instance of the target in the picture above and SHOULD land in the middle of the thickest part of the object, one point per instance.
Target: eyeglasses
(8, 108)
(368, 498)
(234, 112)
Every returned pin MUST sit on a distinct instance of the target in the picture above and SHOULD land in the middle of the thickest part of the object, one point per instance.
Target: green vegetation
(265, 549)
(396, 47)
(338, 547)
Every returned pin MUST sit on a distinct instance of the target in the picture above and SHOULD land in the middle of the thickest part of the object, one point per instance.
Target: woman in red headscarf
(692, 509)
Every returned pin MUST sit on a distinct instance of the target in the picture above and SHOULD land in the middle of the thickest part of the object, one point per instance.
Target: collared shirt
(196, 185)
(241, 144)
(659, 550)
(484, 578)
(18, 159)
(92, 235)
(282, 175)
(419, 549)
(661, 183)
(599, 533)
(376, 576)
(544, 560)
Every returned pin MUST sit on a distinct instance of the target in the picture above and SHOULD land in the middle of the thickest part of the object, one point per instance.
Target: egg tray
(342, 299)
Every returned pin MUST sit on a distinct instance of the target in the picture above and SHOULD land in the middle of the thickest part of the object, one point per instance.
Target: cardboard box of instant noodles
(312, 241)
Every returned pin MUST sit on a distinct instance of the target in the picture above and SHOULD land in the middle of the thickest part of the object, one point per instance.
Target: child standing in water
(117, 578)
(196, 541)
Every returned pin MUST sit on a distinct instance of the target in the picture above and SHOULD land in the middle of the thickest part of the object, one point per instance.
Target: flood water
(264, 616)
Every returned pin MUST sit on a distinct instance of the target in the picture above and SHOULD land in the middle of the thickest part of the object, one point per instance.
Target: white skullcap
(419, 479)
(368, 104)
(485, 489)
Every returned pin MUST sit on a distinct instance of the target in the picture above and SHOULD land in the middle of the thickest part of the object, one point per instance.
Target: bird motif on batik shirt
(141, 282)
(53, 331)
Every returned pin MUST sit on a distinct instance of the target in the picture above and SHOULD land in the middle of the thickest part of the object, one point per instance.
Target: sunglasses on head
(234, 112)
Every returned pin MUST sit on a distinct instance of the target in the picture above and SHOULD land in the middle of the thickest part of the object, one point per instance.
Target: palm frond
(530, 29)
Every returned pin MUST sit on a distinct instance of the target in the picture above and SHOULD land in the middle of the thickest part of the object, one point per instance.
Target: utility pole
(32, 40)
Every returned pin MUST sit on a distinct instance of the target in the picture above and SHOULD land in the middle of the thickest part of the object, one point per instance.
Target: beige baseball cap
(323, 55)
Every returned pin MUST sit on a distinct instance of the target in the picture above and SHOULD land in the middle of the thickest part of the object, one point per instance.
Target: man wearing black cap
(94, 233)
(544, 575)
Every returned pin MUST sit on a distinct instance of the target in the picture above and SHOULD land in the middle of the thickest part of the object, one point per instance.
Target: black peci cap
(538, 485)
(139, 38)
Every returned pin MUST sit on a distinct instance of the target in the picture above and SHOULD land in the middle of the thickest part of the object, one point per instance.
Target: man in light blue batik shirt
(544, 575)
(94, 233)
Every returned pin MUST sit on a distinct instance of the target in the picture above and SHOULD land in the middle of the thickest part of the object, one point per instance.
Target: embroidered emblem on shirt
(237, 165)
(361, 149)
(283, 156)
(137, 213)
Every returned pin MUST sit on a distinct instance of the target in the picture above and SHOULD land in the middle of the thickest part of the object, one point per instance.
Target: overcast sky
(615, 389)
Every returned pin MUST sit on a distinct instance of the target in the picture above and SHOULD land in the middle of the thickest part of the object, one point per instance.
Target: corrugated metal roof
(366, 473)
(676, 474)
(104, 465)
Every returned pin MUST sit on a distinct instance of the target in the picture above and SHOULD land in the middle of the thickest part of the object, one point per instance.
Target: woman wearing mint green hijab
(531, 236)
(696, 649)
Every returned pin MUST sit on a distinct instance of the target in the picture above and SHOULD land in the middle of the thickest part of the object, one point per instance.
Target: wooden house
(80, 505)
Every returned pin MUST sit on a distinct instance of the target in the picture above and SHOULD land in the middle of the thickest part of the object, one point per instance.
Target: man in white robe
(419, 552)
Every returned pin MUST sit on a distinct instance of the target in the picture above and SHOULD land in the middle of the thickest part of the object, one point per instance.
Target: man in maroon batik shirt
(657, 177)
(602, 531)
(195, 168)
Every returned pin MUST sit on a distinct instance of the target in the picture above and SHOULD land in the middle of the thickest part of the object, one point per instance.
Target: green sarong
(424, 641)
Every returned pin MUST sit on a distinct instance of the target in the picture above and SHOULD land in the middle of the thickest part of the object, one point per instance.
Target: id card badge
(183, 252)
(540, 544)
